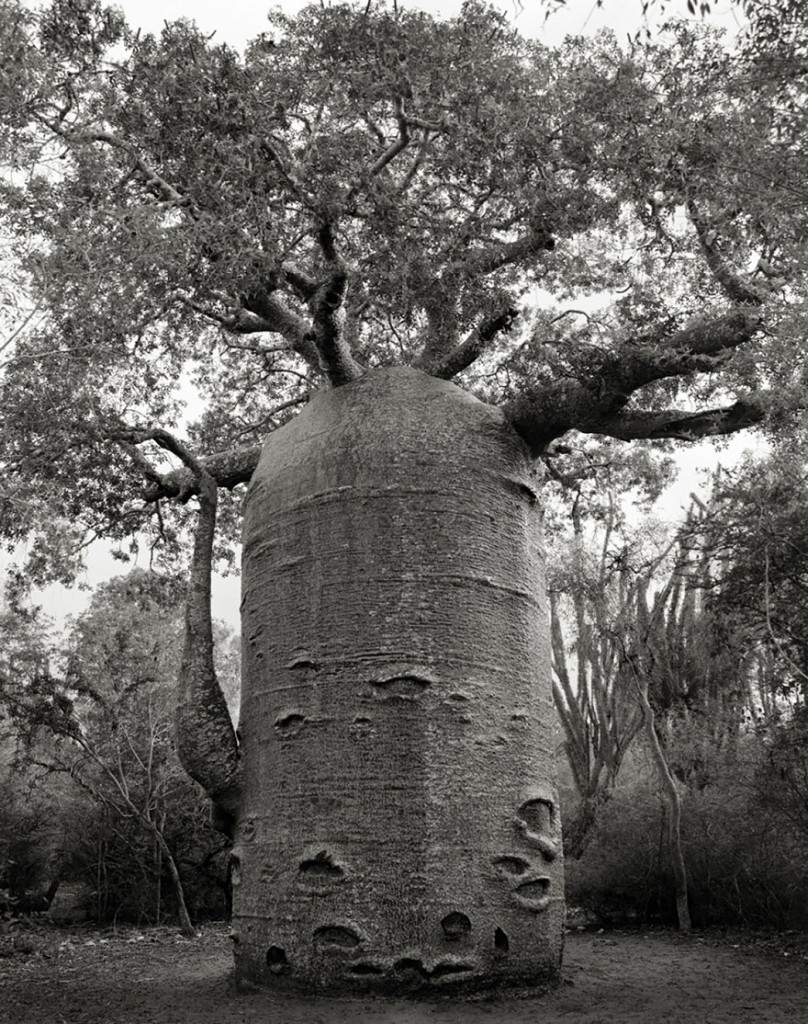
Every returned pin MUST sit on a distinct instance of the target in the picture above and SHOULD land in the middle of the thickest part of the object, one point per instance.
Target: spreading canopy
(364, 186)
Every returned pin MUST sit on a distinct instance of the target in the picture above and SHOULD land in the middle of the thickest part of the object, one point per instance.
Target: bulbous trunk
(399, 825)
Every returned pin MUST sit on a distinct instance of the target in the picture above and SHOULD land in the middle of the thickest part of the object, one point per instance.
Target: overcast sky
(235, 21)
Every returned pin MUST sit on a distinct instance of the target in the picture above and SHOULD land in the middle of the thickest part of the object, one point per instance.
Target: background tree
(358, 207)
(106, 724)
(711, 646)
(593, 597)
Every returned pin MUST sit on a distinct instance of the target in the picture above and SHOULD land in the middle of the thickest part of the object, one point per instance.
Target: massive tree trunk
(399, 824)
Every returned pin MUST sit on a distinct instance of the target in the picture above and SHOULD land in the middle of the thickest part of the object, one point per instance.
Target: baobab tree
(333, 240)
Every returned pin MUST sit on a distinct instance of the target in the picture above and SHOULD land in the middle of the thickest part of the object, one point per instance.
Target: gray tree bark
(399, 824)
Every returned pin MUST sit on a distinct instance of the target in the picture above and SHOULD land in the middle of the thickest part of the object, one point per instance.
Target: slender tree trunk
(399, 827)
(206, 741)
(159, 873)
(184, 918)
(674, 802)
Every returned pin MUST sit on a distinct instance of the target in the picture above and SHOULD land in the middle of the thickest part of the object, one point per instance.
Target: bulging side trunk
(399, 824)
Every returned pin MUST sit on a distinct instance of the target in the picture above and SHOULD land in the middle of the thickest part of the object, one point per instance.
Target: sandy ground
(154, 977)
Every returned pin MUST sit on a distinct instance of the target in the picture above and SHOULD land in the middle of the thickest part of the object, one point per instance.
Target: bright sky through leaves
(238, 20)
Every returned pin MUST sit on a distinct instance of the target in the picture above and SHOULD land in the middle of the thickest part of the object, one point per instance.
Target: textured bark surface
(399, 826)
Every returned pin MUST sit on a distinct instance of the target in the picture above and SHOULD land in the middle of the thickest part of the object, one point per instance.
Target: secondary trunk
(399, 824)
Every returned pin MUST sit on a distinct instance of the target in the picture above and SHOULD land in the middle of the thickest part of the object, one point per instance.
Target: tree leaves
(367, 185)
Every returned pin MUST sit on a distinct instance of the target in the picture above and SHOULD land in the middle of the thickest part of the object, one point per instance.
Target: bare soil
(132, 976)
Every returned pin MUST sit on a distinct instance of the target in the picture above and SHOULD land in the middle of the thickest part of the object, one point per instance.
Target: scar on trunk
(336, 935)
(533, 895)
(536, 820)
(303, 660)
(402, 686)
(321, 866)
(511, 865)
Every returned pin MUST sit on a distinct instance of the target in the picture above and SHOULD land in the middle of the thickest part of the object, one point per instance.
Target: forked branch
(596, 401)
(327, 308)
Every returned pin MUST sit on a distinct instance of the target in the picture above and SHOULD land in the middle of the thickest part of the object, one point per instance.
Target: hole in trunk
(334, 935)
(235, 869)
(455, 926)
(410, 967)
(537, 815)
(321, 866)
(501, 942)
(289, 725)
(276, 959)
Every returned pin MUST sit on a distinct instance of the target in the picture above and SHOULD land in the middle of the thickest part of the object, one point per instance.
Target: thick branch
(534, 242)
(279, 319)
(678, 425)
(206, 741)
(597, 399)
(329, 316)
(734, 286)
(227, 469)
(474, 345)
(302, 285)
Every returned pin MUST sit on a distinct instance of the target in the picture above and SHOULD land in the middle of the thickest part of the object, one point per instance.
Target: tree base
(468, 973)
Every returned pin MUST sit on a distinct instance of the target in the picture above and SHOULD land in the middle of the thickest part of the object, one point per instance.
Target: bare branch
(264, 312)
(701, 347)
(417, 163)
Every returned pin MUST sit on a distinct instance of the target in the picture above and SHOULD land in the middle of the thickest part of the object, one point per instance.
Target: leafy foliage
(367, 185)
